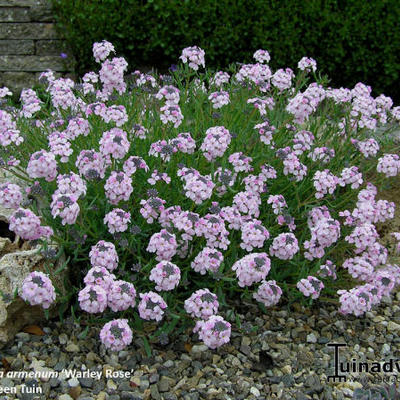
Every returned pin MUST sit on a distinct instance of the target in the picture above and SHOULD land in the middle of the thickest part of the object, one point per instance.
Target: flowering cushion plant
(175, 194)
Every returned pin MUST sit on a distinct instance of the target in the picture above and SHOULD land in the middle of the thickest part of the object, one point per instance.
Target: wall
(29, 43)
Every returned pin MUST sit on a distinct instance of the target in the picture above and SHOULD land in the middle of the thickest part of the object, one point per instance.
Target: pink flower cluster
(266, 132)
(351, 176)
(117, 220)
(152, 306)
(284, 246)
(292, 164)
(219, 99)
(116, 334)
(252, 268)
(171, 113)
(325, 231)
(91, 164)
(152, 208)
(194, 56)
(369, 147)
(42, 164)
(209, 259)
(104, 254)
(268, 293)
(282, 79)
(164, 244)
(26, 225)
(254, 234)
(310, 286)
(197, 187)
(262, 56)
(216, 142)
(220, 78)
(257, 74)
(262, 104)
(114, 143)
(37, 289)
(168, 93)
(166, 275)
(30, 103)
(324, 182)
(66, 207)
(327, 270)
(214, 331)
(307, 64)
(240, 162)
(102, 50)
(10, 195)
(389, 165)
(118, 187)
(202, 304)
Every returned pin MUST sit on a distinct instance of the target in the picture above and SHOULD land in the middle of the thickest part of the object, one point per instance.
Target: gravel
(280, 355)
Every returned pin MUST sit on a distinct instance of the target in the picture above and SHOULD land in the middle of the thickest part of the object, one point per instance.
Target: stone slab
(15, 47)
(34, 63)
(34, 30)
(50, 47)
(18, 3)
(41, 13)
(14, 14)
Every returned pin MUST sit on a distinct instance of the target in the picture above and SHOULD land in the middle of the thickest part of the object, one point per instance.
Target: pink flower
(208, 259)
(163, 244)
(215, 331)
(37, 289)
(104, 254)
(252, 268)
(268, 293)
(121, 295)
(284, 246)
(42, 165)
(118, 187)
(202, 304)
(194, 56)
(117, 220)
(10, 195)
(310, 286)
(93, 299)
(116, 334)
(166, 275)
(151, 306)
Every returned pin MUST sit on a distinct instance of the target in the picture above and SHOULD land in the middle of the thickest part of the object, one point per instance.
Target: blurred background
(351, 41)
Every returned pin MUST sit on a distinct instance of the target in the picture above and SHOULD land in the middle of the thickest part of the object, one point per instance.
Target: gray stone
(41, 13)
(10, 14)
(16, 81)
(86, 382)
(18, 3)
(311, 338)
(54, 382)
(60, 366)
(34, 30)
(51, 47)
(129, 396)
(155, 394)
(98, 386)
(165, 384)
(34, 63)
(154, 378)
(288, 380)
(301, 396)
(14, 315)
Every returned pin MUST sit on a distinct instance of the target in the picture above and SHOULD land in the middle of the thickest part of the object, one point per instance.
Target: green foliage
(351, 40)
